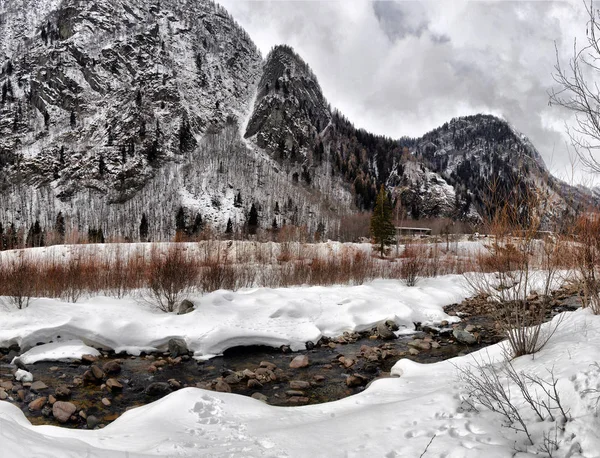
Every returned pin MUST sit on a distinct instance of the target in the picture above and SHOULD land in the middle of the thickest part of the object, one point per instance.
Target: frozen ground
(394, 417)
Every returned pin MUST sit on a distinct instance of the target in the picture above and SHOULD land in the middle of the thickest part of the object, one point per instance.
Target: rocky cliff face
(99, 94)
(290, 111)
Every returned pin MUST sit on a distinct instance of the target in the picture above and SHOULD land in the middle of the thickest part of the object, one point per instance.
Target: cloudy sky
(405, 67)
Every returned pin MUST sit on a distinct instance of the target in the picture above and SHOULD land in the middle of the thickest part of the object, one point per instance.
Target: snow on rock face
(290, 109)
(224, 319)
(107, 90)
(57, 351)
(393, 417)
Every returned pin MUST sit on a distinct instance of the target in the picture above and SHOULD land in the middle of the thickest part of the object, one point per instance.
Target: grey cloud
(403, 68)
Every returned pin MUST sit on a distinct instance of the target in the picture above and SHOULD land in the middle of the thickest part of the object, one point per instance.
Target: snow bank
(225, 319)
(394, 417)
(57, 351)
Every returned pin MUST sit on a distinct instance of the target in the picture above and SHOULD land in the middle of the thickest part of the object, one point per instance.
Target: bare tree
(579, 91)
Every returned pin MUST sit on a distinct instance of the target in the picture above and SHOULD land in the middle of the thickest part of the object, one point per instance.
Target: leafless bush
(413, 263)
(513, 253)
(587, 259)
(497, 388)
(171, 275)
(19, 279)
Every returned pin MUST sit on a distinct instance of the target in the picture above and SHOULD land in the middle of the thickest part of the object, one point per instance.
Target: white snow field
(420, 410)
(395, 417)
(225, 319)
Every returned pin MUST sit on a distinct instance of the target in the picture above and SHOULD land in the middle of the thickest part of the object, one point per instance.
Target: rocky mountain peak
(290, 110)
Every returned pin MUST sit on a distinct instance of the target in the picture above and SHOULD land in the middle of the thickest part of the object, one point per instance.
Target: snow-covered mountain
(112, 109)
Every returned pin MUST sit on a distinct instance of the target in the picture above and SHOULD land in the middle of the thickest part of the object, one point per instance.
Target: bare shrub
(171, 275)
(413, 262)
(587, 259)
(19, 279)
(512, 254)
(217, 273)
(493, 386)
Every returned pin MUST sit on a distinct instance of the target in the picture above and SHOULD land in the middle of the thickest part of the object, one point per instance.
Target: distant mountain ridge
(112, 109)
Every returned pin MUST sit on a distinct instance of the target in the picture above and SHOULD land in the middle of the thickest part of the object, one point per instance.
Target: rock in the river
(38, 386)
(92, 422)
(265, 375)
(6, 385)
(113, 384)
(97, 373)
(62, 411)
(88, 359)
(37, 404)
(3, 395)
(268, 365)
(186, 306)
(299, 385)
(464, 337)
(356, 380)
(299, 361)
(254, 384)
(177, 347)
(23, 376)
(260, 397)
(384, 332)
(233, 378)
(20, 365)
(158, 389)
(112, 367)
(106, 402)
(62, 392)
(310, 345)
(222, 387)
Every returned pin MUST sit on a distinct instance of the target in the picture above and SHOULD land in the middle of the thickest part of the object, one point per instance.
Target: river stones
(97, 372)
(113, 384)
(62, 411)
(92, 422)
(3, 395)
(38, 386)
(464, 337)
(268, 365)
(88, 359)
(254, 384)
(106, 402)
(158, 389)
(62, 392)
(355, 380)
(222, 387)
(37, 404)
(260, 397)
(265, 375)
(177, 347)
(299, 385)
(299, 362)
(8, 385)
(385, 332)
(112, 367)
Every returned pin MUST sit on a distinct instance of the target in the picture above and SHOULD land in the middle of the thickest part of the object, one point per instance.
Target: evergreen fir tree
(229, 228)
(237, 202)
(253, 220)
(382, 228)
(198, 225)
(144, 228)
(180, 221)
(59, 227)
